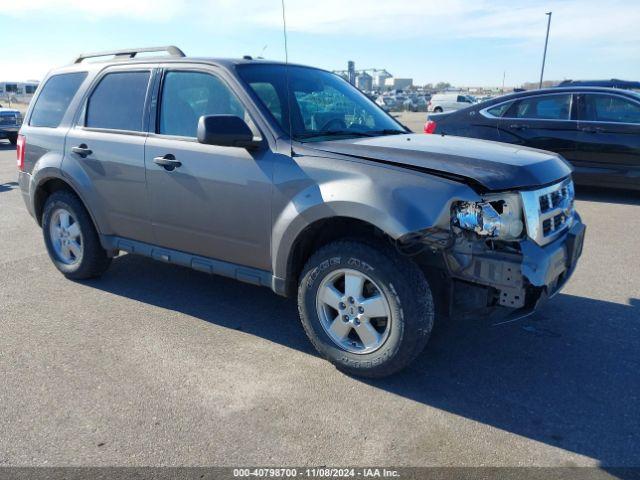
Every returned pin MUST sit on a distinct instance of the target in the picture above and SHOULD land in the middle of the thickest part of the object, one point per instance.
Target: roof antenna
(286, 61)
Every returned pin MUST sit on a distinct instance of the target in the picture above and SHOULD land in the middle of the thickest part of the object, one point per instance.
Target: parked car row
(596, 129)
(403, 101)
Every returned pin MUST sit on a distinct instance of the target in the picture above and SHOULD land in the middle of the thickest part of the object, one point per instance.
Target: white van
(446, 102)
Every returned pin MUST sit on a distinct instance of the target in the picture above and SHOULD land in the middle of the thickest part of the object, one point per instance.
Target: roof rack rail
(131, 53)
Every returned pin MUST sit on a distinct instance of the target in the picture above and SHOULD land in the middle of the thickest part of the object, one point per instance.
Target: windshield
(322, 104)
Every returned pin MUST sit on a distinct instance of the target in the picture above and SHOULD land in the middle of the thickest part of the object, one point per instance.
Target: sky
(463, 42)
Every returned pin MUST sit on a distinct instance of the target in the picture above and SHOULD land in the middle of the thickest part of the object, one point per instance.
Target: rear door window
(53, 101)
(117, 103)
(543, 107)
(608, 108)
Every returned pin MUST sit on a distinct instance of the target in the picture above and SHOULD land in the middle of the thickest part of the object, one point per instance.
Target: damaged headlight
(497, 216)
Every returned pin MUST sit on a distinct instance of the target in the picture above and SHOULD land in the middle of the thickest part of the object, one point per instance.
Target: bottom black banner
(402, 473)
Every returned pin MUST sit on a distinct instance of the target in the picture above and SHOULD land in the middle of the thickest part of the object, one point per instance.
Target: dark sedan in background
(596, 129)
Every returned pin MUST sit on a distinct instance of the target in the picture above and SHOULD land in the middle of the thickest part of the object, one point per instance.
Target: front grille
(548, 211)
(554, 199)
(550, 225)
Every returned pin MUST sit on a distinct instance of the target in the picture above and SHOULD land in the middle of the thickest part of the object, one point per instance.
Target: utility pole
(504, 74)
(546, 41)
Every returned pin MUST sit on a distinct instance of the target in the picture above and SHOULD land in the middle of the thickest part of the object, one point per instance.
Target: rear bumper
(512, 284)
(6, 132)
(24, 181)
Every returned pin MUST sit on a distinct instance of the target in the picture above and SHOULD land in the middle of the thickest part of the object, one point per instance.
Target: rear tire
(71, 238)
(13, 139)
(437, 110)
(382, 330)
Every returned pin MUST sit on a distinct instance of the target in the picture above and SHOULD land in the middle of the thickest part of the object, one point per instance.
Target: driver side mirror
(226, 131)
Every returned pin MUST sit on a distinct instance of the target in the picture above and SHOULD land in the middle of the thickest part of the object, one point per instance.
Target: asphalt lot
(414, 120)
(160, 365)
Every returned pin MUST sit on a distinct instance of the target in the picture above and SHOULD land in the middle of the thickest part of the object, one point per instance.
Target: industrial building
(373, 79)
(394, 83)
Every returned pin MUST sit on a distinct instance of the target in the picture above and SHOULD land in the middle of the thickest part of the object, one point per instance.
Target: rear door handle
(592, 129)
(167, 161)
(81, 150)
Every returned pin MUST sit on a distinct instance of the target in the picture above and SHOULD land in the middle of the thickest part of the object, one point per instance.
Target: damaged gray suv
(288, 177)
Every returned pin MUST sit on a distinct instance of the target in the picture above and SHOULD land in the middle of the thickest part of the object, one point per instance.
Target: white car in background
(447, 102)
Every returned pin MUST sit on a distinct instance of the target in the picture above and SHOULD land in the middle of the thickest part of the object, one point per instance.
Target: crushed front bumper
(512, 281)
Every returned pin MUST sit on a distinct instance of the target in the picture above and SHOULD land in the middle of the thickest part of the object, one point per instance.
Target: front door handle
(518, 126)
(81, 150)
(167, 161)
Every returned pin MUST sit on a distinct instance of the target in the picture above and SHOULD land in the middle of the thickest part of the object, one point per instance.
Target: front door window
(186, 96)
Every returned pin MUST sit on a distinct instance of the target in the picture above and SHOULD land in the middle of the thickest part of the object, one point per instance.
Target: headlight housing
(496, 216)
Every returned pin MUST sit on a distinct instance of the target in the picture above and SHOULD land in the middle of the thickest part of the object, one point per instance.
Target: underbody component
(507, 274)
(477, 263)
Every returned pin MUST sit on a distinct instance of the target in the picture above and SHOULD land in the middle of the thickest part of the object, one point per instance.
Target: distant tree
(442, 85)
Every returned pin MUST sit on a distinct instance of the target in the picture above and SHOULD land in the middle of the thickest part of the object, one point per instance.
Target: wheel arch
(49, 185)
(317, 234)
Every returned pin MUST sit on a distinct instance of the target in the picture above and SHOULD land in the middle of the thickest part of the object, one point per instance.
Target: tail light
(20, 147)
(430, 126)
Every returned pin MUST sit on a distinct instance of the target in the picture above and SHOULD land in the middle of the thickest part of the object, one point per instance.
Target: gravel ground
(159, 365)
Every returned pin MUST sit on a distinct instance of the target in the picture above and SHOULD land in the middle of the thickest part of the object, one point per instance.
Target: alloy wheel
(66, 237)
(354, 311)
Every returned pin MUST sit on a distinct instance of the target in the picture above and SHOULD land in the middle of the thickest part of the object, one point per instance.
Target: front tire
(13, 139)
(366, 309)
(71, 238)
(437, 110)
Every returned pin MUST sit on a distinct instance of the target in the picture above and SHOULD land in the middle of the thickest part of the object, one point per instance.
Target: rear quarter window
(54, 100)
(499, 110)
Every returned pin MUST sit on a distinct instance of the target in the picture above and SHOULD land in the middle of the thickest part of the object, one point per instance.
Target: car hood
(491, 165)
(8, 110)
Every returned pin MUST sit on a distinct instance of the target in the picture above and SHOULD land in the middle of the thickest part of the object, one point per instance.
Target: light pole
(546, 41)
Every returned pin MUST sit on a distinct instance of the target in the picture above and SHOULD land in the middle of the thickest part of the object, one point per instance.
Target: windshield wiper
(386, 131)
(338, 133)
(332, 133)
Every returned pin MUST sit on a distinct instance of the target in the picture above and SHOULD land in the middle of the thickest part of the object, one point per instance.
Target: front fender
(397, 201)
